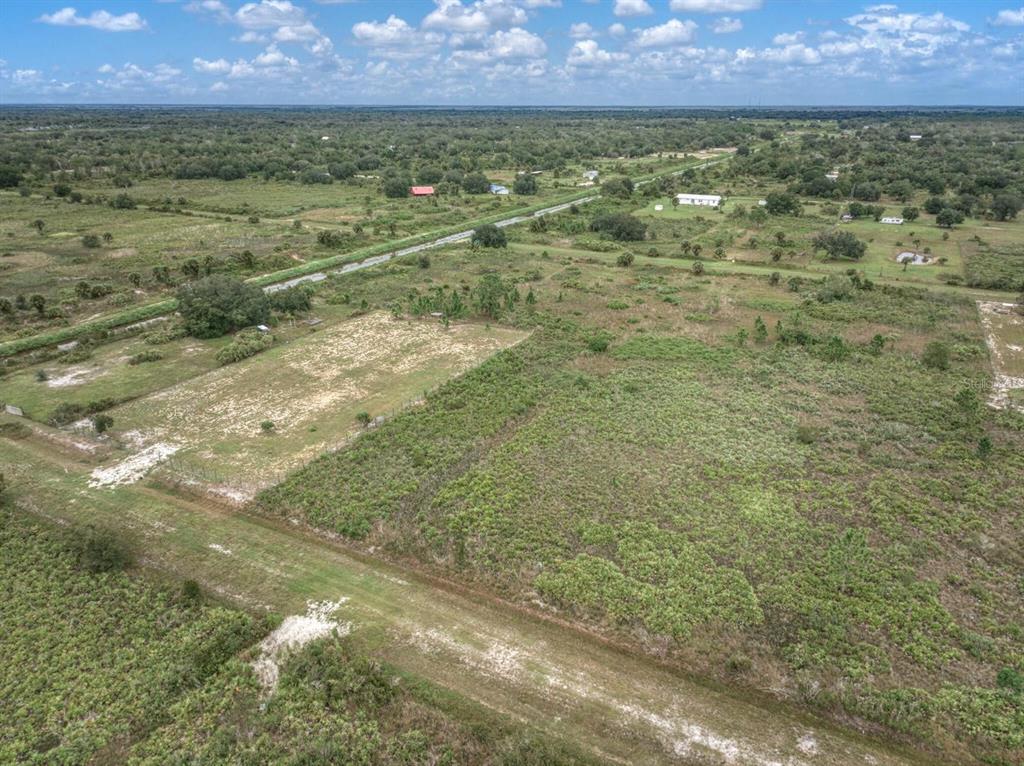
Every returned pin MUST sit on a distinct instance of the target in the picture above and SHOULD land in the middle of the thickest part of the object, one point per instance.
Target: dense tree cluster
(969, 163)
(219, 304)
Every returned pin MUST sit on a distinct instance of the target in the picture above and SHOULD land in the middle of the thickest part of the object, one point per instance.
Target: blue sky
(537, 52)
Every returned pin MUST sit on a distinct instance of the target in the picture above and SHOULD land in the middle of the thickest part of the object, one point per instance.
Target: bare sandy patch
(294, 632)
(134, 467)
(996, 319)
(76, 376)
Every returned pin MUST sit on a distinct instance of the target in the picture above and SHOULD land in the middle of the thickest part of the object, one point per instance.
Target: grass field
(311, 390)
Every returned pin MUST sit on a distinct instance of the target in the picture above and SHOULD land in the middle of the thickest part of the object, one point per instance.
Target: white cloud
(107, 22)
(714, 6)
(297, 33)
(251, 37)
(672, 32)
(632, 8)
(25, 76)
(394, 31)
(908, 35)
(516, 43)
(587, 53)
(218, 87)
(218, 66)
(1010, 18)
(274, 57)
(213, 7)
(542, 3)
(726, 25)
(105, 69)
(396, 39)
(791, 54)
(268, 14)
(480, 16)
(787, 38)
(582, 31)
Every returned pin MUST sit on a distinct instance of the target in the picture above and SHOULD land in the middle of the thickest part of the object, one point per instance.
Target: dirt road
(619, 706)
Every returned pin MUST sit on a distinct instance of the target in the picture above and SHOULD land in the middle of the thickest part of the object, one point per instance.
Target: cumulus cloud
(102, 20)
(218, 87)
(268, 14)
(617, 30)
(130, 75)
(791, 54)
(396, 38)
(274, 57)
(582, 31)
(726, 25)
(672, 32)
(480, 16)
(632, 8)
(787, 38)
(217, 66)
(587, 53)
(907, 35)
(516, 43)
(1010, 18)
(714, 6)
(251, 37)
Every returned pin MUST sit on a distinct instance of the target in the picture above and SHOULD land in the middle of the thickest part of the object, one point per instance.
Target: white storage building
(704, 200)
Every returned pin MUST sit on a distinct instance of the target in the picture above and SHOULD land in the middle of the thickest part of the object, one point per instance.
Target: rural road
(451, 239)
(620, 706)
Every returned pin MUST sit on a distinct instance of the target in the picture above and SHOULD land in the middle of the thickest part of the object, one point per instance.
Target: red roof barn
(422, 191)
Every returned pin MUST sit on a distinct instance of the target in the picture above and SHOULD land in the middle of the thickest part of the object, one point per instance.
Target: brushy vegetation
(774, 499)
(245, 344)
(100, 666)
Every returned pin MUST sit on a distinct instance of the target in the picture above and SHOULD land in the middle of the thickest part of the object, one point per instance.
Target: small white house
(896, 221)
(702, 200)
(762, 203)
(915, 137)
(590, 175)
(498, 189)
(832, 175)
(658, 208)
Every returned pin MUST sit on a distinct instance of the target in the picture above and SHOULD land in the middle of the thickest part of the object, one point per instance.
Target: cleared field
(1004, 334)
(311, 390)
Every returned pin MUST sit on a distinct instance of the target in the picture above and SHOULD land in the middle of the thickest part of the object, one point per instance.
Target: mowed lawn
(312, 390)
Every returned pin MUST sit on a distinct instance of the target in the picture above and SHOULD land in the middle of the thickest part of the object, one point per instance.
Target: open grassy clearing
(568, 686)
(311, 390)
